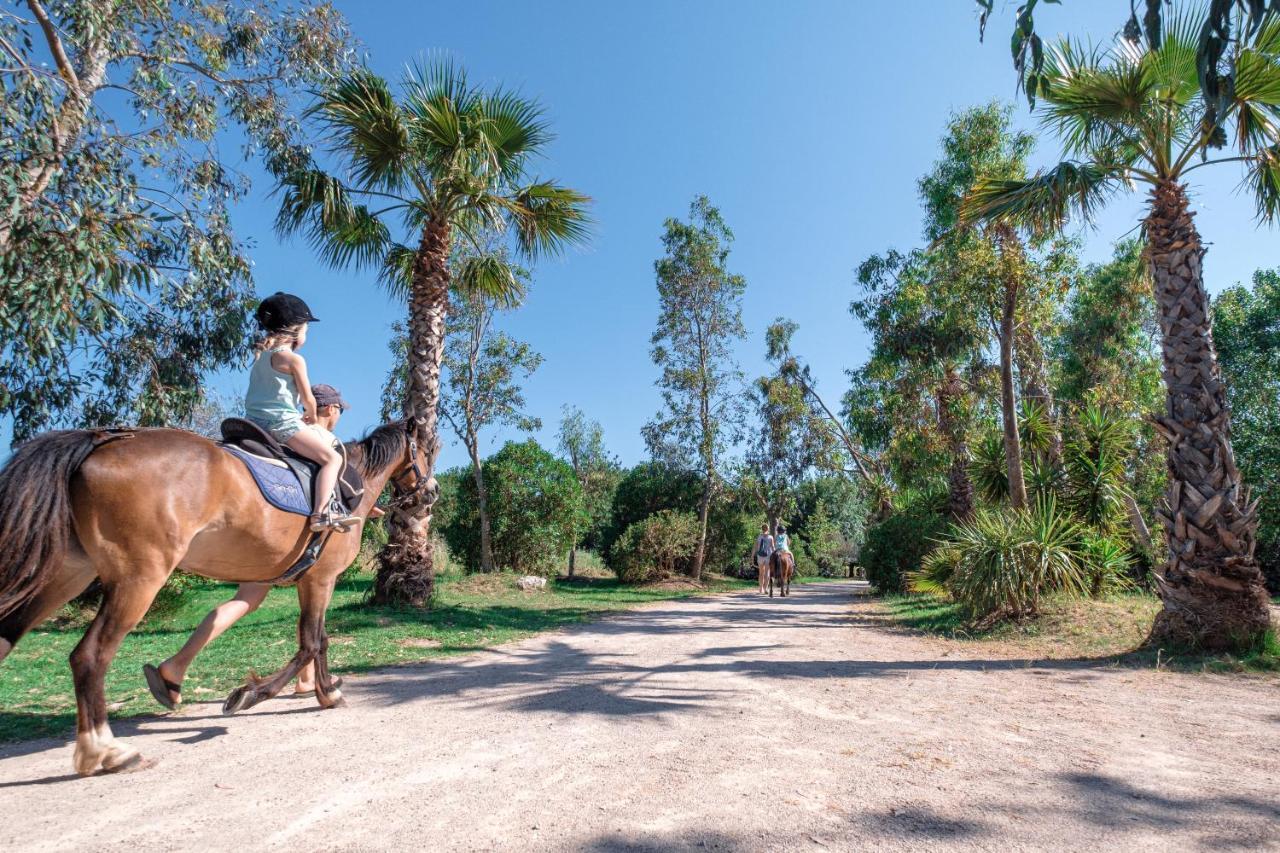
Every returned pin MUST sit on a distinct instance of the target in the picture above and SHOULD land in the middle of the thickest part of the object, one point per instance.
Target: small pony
(782, 566)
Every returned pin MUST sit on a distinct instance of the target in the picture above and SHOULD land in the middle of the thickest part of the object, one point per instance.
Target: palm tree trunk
(951, 395)
(1009, 402)
(1212, 588)
(406, 573)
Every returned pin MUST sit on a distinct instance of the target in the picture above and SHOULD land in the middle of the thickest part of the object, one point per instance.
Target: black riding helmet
(281, 310)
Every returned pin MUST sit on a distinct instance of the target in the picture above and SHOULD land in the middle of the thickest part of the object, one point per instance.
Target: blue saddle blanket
(280, 486)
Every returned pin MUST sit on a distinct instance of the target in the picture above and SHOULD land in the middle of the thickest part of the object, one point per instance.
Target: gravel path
(728, 723)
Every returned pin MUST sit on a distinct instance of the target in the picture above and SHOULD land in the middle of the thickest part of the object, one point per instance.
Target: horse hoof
(127, 760)
(238, 700)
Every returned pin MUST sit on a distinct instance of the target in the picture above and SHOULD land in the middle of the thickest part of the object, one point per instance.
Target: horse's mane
(380, 448)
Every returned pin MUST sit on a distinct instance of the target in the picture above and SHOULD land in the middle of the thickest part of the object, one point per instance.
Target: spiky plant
(1135, 115)
(988, 470)
(444, 158)
(1097, 487)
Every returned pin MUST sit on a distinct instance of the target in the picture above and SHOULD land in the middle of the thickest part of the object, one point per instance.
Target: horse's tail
(35, 512)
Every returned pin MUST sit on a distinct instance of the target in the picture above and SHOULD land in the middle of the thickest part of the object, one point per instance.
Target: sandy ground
(727, 723)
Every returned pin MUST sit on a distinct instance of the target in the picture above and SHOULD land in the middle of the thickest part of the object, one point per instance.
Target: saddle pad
(279, 485)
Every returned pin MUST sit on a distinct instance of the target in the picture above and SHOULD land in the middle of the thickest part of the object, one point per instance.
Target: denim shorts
(282, 429)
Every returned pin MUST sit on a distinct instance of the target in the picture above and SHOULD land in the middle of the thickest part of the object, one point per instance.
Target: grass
(1069, 628)
(473, 612)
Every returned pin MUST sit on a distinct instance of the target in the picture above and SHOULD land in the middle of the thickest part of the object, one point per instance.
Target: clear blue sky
(807, 123)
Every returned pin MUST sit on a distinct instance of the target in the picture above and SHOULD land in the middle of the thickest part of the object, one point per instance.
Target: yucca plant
(1003, 561)
(1106, 563)
(443, 160)
(1097, 488)
(988, 470)
(1135, 115)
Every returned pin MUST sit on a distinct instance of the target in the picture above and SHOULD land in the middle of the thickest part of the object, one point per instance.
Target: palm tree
(1135, 115)
(445, 161)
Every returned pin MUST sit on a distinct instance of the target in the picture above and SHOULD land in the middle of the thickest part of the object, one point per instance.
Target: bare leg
(311, 444)
(248, 598)
(762, 564)
(123, 605)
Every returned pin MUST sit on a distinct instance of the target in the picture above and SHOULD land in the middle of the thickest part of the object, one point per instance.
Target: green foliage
(122, 282)
(1003, 562)
(582, 443)
(656, 547)
(1095, 457)
(535, 505)
(1246, 327)
(1106, 563)
(989, 469)
(699, 319)
(654, 486)
(896, 546)
(825, 545)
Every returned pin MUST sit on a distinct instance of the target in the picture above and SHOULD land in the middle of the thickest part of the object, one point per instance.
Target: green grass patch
(472, 612)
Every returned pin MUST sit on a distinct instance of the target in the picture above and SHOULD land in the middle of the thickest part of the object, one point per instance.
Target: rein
(408, 496)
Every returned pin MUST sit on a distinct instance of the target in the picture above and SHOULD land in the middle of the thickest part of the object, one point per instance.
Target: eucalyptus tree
(1137, 114)
(445, 160)
(122, 281)
(484, 370)
(927, 335)
(790, 367)
(582, 442)
(699, 319)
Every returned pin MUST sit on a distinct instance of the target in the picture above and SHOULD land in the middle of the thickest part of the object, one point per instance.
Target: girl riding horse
(127, 508)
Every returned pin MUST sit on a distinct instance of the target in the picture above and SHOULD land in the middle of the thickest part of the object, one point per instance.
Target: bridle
(407, 495)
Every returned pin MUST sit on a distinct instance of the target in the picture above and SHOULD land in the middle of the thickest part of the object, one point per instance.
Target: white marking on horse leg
(5, 648)
(88, 753)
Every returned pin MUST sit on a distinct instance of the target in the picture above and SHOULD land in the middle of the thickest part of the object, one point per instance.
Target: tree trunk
(573, 559)
(704, 513)
(1036, 388)
(1212, 588)
(406, 573)
(951, 394)
(1140, 529)
(1008, 402)
(482, 503)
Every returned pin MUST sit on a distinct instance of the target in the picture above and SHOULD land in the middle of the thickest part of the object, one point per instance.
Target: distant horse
(127, 508)
(782, 565)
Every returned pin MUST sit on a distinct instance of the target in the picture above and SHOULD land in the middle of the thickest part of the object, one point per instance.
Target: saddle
(285, 478)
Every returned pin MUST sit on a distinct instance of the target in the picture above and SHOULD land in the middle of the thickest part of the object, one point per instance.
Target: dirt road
(729, 723)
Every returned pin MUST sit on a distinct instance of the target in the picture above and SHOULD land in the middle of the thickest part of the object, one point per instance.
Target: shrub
(1106, 563)
(653, 486)
(826, 551)
(898, 544)
(656, 547)
(535, 508)
(1004, 560)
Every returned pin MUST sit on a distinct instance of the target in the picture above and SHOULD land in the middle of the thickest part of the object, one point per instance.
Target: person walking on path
(764, 552)
(165, 680)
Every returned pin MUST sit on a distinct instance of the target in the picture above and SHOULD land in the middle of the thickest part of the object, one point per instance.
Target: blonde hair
(287, 336)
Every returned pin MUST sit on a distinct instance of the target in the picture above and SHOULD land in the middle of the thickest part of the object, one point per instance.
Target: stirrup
(331, 521)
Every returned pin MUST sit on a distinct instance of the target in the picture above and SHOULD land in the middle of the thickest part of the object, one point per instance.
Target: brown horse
(128, 508)
(782, 567)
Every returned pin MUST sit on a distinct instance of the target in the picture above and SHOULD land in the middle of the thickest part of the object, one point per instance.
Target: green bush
(1107, 564)
(535, 509)
(1002, 562)
(653, 486)
(656, 547)
(898, 544)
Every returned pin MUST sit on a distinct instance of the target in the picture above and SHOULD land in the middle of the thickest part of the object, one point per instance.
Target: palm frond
(342, 231)
(514, 128)
(396, 271)
(547, 217)
(1263, 179)
(1044, 202)
(491, 277)
(367, 126)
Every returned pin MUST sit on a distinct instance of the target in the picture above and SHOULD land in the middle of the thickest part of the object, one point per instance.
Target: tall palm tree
(1135, 115)
(445, 161)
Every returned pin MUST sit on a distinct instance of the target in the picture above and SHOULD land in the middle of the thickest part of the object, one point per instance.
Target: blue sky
(807, 123)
